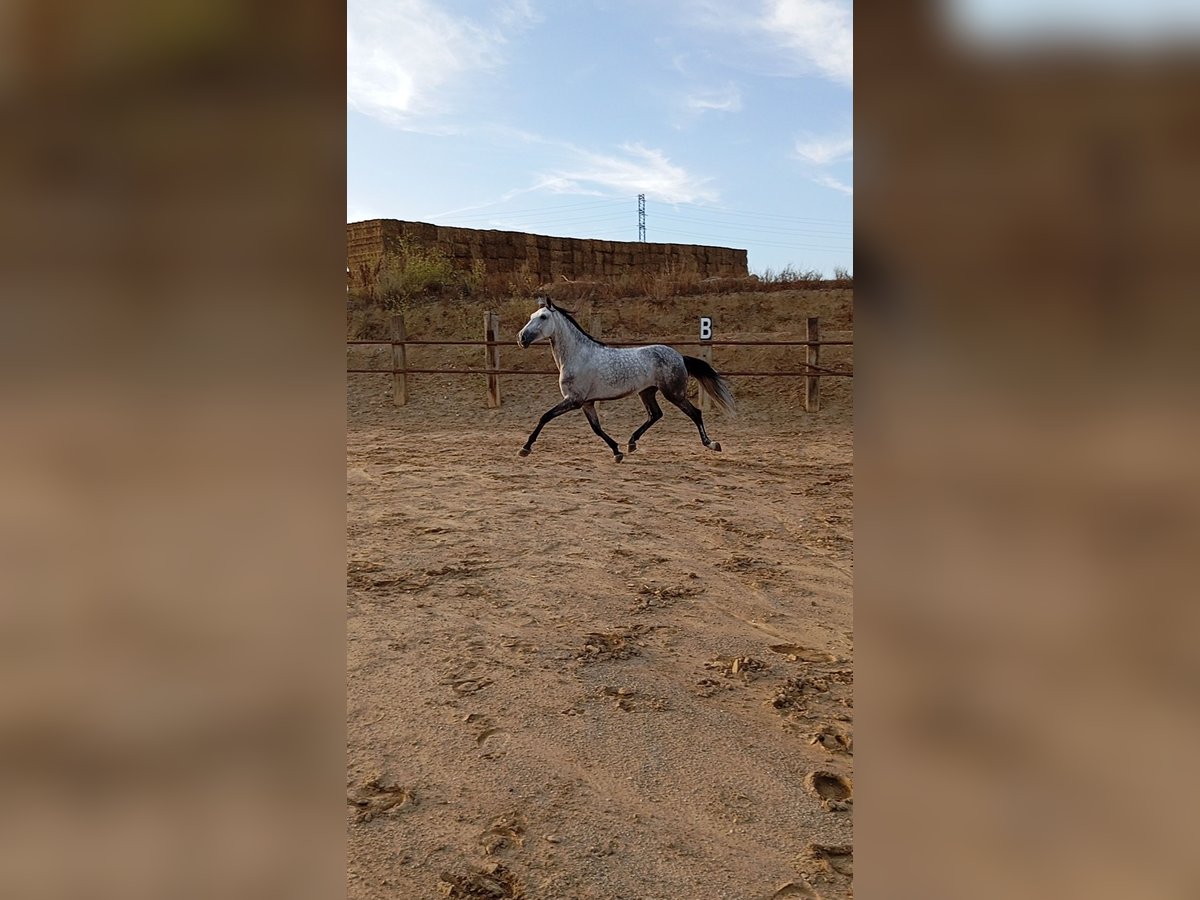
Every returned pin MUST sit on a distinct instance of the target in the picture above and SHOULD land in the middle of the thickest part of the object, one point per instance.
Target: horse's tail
(711, 382)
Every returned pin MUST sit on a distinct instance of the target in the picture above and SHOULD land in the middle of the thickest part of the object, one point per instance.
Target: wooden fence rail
(712, 343)
(812, 372)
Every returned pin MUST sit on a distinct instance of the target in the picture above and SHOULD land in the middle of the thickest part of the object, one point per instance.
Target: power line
(613, 201)
(540, 221)
(740, 226)
(557, 217)
(763, 243)
(761, 215)
(538, 209)
(554, 223)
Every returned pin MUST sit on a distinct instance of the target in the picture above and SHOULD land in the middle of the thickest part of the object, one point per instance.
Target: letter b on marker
(705, 328)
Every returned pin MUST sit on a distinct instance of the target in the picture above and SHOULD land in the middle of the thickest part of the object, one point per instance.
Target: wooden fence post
(491, 353)
(812, 356)
(399, 361)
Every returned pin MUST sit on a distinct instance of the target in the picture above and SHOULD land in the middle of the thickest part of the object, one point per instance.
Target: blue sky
(733, 117)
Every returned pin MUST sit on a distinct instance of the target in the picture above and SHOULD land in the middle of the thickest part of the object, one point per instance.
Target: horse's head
(541, 323)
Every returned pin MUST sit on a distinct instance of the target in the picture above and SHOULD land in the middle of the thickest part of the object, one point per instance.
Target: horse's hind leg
(565, 407)
(589, 410)
(652, 410)
(692, 413)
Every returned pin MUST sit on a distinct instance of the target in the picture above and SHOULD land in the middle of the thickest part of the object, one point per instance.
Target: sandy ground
(572, 678)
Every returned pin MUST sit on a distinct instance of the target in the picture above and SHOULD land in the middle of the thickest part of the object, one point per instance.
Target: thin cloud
(818, 153)
(805, 36)
(821, 151)
(402, 54)
(728, 99)
(820, 31)
(577, 170)
(834, 184)
(558, 184)
(640, 170)
(553, 184)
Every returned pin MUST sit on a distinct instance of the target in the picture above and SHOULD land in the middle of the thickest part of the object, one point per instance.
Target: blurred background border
(1026, 429)
(173, 183)
(173, 464)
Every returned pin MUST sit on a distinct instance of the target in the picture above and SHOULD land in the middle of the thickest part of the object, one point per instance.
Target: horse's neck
(566, 345)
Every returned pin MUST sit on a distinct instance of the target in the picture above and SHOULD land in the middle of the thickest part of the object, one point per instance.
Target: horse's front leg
(565, 407)
(589, 410)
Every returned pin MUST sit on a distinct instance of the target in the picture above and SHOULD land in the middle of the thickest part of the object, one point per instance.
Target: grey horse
(590, 371)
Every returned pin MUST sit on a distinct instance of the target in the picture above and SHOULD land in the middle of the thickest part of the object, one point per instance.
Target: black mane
(570, 318)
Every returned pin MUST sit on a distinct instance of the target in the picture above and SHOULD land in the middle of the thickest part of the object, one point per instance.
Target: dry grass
(417, 271)
(631, 317)
(426, 280)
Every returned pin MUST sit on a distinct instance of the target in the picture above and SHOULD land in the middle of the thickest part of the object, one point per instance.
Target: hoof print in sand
(833, 859)
(493, 742)
(623, 698)
(835, 740)
(379, 796)
(470, 685)
(507, 832)
(617, 645)
(795, 698)
(492, 882)
(790, 697)
(836, 792)
(794, 890)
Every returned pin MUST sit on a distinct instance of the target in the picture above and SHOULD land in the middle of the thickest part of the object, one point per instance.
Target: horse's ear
(544, 302)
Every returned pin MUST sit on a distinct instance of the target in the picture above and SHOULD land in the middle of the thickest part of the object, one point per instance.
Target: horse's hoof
(524, 451)
(618, 456)
(715, 446)
(632, 446)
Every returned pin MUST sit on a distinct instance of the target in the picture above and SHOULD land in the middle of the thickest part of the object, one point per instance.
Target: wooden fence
(812, 371)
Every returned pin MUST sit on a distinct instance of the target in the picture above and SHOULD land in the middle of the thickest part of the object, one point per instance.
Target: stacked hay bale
(539, 256)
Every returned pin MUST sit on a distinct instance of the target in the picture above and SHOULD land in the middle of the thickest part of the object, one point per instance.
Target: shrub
(415, 272)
